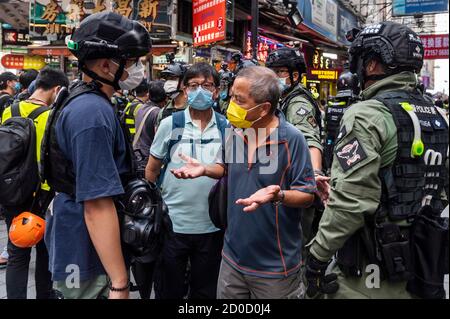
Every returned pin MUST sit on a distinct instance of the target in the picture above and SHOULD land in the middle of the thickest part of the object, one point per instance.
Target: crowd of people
(230, 184)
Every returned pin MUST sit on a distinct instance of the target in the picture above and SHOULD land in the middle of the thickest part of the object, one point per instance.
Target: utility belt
(417, 253)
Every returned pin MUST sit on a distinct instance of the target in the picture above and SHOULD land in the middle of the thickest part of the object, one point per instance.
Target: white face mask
(136, 74)
(170, 86)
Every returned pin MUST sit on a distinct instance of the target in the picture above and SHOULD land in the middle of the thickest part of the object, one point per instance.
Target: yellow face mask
(237, 115)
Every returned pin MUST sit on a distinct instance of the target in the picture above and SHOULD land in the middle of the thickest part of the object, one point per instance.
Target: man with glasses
(196, 132)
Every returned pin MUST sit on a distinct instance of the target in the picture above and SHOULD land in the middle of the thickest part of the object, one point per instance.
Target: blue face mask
(200, 99)
(223, 95)
(17, 86)
(283, 85)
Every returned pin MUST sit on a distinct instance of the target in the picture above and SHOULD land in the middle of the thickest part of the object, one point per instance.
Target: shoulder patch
(302, 111)
(350, 154)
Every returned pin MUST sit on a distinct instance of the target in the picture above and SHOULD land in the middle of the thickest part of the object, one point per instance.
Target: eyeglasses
(207, 86)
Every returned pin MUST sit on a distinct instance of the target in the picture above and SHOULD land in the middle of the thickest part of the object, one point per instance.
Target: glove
(317, 282)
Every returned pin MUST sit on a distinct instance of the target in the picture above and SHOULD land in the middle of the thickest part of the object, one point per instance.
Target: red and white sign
(435, 45)
(208, 21)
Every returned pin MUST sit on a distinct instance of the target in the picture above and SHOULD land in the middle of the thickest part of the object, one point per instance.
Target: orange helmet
(26, 230)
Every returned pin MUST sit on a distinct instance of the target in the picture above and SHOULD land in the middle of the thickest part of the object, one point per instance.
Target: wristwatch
(278, 202)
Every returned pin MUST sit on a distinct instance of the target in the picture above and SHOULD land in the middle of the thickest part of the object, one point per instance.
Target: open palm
(192, 168)
(261, 197)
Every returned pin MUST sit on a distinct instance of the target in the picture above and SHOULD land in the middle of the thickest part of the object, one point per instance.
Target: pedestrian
(92, 158)
(197, 132)
(48, 84)
(268, 187)
(388, 174)
(133, 107)
(146, 120)
(8, 88)
(25, 79)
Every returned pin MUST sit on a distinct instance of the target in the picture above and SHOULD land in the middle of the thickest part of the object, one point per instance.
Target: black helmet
(109, 35)
(348, 85)
(396, 46)
(176, 69)
(291, 58)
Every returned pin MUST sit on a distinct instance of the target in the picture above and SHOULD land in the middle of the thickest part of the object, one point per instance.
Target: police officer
(173, 74)
(132, 108)
(388, 173)
(348, 93)
(302, 111)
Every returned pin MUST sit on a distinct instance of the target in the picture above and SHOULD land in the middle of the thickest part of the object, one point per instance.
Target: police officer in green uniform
(389, 172)
(348, 93)
(302, 111)
(173, 74)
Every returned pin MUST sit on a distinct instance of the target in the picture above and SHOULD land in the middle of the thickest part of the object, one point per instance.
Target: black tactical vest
(333, 116)
(56, 169)
(413, 181)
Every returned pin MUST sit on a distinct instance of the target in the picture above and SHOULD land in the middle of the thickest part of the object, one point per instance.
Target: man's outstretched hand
(261, 197)
(192, 169)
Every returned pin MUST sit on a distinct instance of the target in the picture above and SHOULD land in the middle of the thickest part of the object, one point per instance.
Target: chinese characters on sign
(321, 62)
(123, 7)
(435, 45)
(265, 46)
(208, 21)
(11, 37)
(148, 10)
(322, 67)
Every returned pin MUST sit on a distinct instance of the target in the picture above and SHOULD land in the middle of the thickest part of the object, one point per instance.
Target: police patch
(302, 111)
(311, 120)
(350, 154)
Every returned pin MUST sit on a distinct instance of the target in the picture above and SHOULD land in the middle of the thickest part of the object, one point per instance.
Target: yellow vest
(40, 122)
(130, 115)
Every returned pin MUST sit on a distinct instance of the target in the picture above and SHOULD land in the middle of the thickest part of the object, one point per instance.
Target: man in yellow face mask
(268, 188)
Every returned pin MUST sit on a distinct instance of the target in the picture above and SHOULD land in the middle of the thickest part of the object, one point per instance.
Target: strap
(36, 112)
(141, 126)
(15, 109)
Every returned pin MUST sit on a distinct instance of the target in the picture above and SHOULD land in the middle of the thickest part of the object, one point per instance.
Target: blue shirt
(187, 200)
(267, 242)
(89, 135)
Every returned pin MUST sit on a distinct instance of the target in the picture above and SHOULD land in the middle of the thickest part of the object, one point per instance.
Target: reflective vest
(40, 123)
(130, 116)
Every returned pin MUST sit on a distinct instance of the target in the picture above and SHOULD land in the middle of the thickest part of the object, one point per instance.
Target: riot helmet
(348, 85)
(112, 36)
(290, 58)
(395, 45)
(174, 74)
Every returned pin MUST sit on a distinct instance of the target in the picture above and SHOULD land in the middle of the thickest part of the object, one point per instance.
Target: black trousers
(19, 263)
(203, 251)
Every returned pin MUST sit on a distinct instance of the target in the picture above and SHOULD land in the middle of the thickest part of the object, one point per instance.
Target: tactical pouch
(430, 250)
(395, 252)
(349, 257)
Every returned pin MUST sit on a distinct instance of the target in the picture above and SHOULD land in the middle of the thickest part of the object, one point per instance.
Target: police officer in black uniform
(348, 93)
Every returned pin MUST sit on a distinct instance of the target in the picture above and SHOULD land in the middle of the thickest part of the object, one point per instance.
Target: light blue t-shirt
(187, 200)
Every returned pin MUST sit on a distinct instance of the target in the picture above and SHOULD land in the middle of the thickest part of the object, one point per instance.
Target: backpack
(178, 121)
(19, 173)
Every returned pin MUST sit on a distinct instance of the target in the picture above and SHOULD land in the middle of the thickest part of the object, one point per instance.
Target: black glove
(317, 282)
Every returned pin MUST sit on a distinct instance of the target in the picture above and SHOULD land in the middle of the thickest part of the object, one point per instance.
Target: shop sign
(11, 37)
(150, 13)
(53, 18)
(18, 61)
(265, 46)
(52, 52)
(415, 7)
(435, 45)
(209, 21)
(325, 74)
